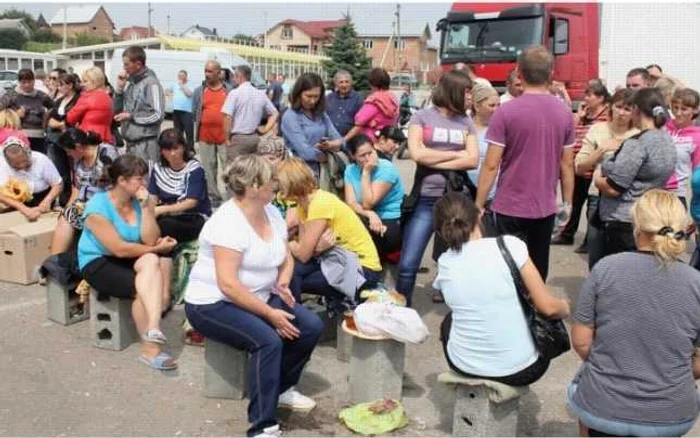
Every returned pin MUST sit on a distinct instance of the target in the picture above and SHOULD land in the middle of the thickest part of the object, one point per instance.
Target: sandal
(193, 337)
(160, 362)
(154, 336)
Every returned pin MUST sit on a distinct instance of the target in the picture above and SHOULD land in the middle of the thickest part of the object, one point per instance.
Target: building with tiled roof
(85, 19)
(136, 33)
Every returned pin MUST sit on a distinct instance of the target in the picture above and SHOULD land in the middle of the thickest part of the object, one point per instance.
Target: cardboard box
(24, 246)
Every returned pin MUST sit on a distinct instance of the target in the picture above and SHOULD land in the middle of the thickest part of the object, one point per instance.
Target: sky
(250, 18)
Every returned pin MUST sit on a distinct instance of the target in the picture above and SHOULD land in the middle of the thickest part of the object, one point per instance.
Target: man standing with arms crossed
(207, 101)
(531, 140)
(243, 112)
(139, 105)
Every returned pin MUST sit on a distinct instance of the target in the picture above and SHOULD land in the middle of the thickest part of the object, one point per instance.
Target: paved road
(55, 384)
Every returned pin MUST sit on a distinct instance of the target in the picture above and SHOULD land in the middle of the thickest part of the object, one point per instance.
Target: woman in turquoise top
(373, 189)
(118, 253)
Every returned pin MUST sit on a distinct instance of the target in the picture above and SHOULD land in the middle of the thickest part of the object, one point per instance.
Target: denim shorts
(621, 428)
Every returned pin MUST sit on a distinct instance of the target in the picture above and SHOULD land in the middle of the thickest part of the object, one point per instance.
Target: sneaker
(270, 432)
(293, 399)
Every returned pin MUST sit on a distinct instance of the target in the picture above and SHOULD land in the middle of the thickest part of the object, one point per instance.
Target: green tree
(29, 20)
(12, 39)
(46, 36)
(245, 39)
(347, 53)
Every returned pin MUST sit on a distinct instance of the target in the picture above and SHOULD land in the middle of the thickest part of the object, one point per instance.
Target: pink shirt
(372, 119)
(687, 141)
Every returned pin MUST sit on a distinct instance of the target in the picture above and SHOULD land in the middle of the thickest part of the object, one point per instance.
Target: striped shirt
(584, 124)
(172, 186)
(647, 324)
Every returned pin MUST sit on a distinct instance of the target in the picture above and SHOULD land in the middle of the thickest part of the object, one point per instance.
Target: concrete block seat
(483, 407)
(111, 324)
(225, 371)
(376, 367)
(390, 267)
(63, 303)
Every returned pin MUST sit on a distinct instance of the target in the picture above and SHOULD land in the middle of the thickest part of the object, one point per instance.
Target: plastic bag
(374, 418)
(400, 323)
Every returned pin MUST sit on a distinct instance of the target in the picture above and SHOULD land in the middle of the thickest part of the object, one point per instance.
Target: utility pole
(65, 26)
(150, 34)
(398, 39)
(265, 33)
(168, 24)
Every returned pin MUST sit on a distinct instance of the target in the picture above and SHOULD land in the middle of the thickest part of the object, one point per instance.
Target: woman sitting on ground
(238, 293)
(325, 221)
(481, 294)
(118, 253)
(179, 186)
(90, 159)
(373, 188)
(637, 329)
(29, 181)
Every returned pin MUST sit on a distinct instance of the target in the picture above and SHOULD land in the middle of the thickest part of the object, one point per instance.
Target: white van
(167, 63)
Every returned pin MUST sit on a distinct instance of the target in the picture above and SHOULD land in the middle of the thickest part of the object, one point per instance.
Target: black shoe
(583, 249)
(560, 240)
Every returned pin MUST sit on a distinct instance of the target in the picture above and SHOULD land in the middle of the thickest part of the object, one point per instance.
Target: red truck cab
(490, 36)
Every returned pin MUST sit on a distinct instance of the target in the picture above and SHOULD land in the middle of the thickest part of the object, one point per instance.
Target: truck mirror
(441, 25)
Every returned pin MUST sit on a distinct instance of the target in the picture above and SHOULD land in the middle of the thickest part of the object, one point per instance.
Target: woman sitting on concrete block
(637, 330)
(119, 253)
(29, 181)
(179, 187)
(238, 293)
(486, 335)
(90, 158)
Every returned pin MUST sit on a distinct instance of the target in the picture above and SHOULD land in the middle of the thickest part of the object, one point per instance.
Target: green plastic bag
(374, 418)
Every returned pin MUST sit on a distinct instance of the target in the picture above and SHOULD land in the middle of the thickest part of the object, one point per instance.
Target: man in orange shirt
(207, 101)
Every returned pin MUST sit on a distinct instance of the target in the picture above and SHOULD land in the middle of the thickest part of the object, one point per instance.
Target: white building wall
(639, 34)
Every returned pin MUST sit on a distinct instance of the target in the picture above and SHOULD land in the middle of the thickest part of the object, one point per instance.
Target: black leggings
(524, 377)
(618, 237)
(390, 241)
(183, 228)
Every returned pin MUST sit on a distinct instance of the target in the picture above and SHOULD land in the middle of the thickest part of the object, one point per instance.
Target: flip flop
(154, 336)
(159, 362)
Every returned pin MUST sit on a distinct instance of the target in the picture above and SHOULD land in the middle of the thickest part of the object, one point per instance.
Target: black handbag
(549, 335)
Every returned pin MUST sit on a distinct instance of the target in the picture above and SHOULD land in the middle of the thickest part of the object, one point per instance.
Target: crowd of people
(303, 197)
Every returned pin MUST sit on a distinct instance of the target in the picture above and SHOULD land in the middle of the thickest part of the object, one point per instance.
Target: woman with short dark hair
(307, 130)
(381, 107)
(119, 253)
(179, 186)
(31, 105)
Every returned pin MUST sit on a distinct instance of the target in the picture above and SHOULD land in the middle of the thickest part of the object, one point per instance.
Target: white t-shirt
(40, 176)
(489, 335)
(229, 228)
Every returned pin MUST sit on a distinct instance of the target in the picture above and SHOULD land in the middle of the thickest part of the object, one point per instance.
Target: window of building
(401, 46)
(86, 56)
(12, 64)
(38, 63)
(27, 63)
(367, 44)
(100, 55)
(94, 27)
(287, 32)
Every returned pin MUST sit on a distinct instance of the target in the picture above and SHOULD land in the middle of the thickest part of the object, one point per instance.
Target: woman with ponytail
(91, 159)
(637, 330)
(486, 335)
(643, 162)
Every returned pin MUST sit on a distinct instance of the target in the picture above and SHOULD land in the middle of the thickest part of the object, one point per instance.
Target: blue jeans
(622, 428)
(596, 238)
(416, 235)
(274, 364)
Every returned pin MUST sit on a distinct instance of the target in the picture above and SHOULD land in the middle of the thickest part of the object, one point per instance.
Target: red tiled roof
(315, 29)
(140, 30)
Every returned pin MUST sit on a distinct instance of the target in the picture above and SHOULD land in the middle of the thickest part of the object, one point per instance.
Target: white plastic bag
(400, 323)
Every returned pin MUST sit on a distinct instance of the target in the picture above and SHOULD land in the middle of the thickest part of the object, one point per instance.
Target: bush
(12, 39)
(84, 39)
(35, 46)
(46, 36)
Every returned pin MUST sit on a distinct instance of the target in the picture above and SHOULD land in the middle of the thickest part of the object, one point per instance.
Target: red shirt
(93, 112)
(211, 124)
(585, 123)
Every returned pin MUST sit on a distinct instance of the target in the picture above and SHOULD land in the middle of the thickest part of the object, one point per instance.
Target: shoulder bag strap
(520, 288)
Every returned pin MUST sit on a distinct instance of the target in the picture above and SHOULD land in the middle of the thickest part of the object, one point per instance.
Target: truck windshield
(491, 40)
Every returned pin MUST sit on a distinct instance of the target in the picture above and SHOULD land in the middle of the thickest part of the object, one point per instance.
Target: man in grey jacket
(207, 101)
(139, 104)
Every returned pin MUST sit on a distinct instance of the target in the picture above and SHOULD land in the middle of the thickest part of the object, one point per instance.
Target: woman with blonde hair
(238, 293)
(10, 126)
(637, 329)
(93, 111)
(485, 102)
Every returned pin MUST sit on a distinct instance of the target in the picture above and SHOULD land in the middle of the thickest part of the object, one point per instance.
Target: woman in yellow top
(325, 221)
(601, 141)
